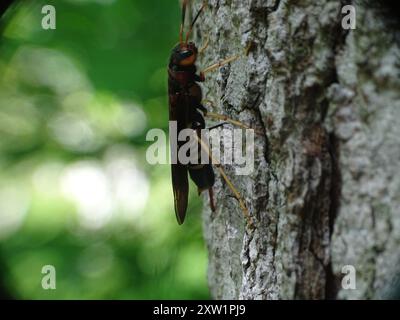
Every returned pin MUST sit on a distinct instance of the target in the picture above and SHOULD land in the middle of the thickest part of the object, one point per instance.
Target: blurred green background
(76, 191)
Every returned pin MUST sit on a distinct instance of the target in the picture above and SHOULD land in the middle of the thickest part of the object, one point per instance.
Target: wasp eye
(188, 60)
(186, 54)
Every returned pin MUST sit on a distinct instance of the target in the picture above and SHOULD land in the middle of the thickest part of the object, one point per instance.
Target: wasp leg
(220, 64)
(217, 126)
(228, 60)
(224, 117)
(211, 103)
(229, 120)
(235, 192)
(205, 45)
(202, 108)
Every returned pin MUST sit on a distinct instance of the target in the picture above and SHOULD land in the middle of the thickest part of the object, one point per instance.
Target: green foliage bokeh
(76, 191)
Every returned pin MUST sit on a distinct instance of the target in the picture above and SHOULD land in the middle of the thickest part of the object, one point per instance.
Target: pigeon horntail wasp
(187, 110)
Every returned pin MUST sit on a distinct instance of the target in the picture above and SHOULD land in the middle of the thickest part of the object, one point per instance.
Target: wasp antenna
(184, 6)
(194, 20)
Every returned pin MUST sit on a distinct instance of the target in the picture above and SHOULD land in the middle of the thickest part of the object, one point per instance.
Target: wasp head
(184, 54)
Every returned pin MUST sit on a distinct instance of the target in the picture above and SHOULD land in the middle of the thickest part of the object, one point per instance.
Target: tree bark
(325, 191)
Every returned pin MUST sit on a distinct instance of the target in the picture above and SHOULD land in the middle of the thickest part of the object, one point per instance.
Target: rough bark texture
(325, 191)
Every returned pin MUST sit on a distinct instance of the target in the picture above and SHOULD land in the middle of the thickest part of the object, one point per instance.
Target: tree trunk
(325, 190)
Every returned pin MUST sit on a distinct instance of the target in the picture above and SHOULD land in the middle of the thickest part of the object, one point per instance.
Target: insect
(187, 110)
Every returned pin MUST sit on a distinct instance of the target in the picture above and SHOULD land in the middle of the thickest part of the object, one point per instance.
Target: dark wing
(180, 186)
(179, 171)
